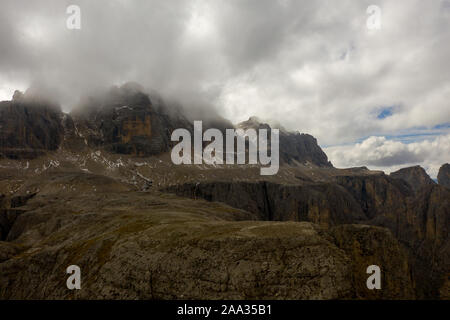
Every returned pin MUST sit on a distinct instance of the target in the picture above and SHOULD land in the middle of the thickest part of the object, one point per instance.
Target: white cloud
(7, 88)
(388, 155)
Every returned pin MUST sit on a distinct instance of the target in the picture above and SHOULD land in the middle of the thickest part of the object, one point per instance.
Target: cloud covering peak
(313, 66)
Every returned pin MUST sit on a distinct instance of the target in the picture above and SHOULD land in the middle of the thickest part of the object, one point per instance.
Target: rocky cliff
(294, 147)
(444, 175)
(419, 222)
(29, 126)
(134, 245)
(124, 121)
(416, 177)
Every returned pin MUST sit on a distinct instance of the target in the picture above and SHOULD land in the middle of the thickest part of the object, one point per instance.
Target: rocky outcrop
(323, 204)
(151, 246)
(9, 212)
(427, 239)
(379, 197)
(302, 148)
(444, 175)
(416, 177)
(375, 246)
(9, 250)
(125, 121)
(29, 127)
(418, 220)
(7, 219)
(294, 147)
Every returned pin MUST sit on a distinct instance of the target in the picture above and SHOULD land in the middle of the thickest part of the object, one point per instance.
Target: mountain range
(96, 188)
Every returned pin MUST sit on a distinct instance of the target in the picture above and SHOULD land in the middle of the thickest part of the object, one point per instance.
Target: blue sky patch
(442, 126)
(386, 112)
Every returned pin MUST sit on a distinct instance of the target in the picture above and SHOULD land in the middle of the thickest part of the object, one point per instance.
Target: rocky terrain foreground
(96, 188)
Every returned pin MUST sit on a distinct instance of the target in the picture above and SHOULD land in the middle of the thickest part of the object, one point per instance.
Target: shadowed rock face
(157, 246)
(302, 148)
(323, 204)
(429, 248)
(444, 175)
(420, 221)
(375, 246)
(295, 148)
(9, 212)
(124, 121)
(29, 127)
(416, 177)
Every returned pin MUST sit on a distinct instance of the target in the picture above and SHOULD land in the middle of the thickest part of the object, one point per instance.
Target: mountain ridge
(125, 121)
(95, 187)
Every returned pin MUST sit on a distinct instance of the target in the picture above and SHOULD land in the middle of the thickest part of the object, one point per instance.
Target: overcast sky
(378, 98)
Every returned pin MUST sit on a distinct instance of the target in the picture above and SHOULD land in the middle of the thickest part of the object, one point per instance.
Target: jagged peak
(17, 96)
(252, 123)
(415, 176)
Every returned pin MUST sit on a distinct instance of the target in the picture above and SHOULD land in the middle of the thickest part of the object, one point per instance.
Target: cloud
(389, 155)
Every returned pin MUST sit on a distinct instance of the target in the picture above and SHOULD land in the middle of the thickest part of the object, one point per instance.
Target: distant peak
(252, 122)
(132, 86)
(415, 176)
(17, 96)
(254, 119)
